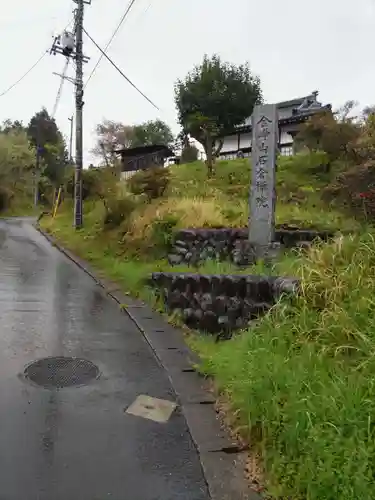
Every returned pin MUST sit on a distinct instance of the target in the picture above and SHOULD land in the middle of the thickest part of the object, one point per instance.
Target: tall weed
(302, 381)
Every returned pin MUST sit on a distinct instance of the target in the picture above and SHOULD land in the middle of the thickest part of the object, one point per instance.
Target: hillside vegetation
(16, 180)
(183, 197)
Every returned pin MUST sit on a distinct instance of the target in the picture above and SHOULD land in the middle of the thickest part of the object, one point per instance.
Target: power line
(25, 75)
(59, 92)
(119, 70)
(132, 2)
(30, 69)
(147, 8)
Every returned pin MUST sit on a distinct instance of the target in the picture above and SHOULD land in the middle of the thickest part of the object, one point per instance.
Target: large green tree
(213, 98)
(152, 132)
(44, 134)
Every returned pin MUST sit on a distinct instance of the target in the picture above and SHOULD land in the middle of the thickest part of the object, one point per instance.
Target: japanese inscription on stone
(262, 192)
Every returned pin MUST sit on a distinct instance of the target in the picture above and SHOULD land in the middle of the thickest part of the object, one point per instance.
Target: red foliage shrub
(354, 190)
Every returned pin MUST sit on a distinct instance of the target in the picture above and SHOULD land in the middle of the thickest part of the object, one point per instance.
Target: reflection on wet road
(79, 443)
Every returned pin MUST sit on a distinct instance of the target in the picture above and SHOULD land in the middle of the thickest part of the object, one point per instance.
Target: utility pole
(64, 45)
(78, 215)
(71, 140)
(37, 169)
(39, 150)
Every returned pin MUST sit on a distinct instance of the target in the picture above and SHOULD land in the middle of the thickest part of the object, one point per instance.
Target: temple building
(291, 115)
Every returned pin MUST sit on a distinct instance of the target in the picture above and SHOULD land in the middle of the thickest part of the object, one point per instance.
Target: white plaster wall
(126, 175)
(285, 138)
(230, 143)
(245, 140)
(285, 112)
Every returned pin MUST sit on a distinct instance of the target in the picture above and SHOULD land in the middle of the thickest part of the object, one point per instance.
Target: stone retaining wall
(220, 303)
(196, 245)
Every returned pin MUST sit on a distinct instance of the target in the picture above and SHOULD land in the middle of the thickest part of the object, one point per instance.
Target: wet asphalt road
(78, 443)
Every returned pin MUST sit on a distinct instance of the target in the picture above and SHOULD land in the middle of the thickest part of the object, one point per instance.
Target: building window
(286, 150)
(228, 156)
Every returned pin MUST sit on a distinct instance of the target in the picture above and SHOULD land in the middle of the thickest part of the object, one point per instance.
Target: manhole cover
(61, 372)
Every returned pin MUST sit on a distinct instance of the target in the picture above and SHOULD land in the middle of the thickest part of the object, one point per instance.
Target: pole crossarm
(69, 78)
(56, 49)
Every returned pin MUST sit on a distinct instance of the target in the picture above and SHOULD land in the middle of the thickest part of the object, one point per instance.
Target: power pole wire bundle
(59, 92)
(119, 70)
(25, 74)
(132, 2)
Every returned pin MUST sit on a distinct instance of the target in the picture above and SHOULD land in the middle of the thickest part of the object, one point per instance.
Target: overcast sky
(294, 46)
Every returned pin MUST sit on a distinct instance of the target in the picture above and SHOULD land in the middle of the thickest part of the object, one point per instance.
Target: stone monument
(263, 192)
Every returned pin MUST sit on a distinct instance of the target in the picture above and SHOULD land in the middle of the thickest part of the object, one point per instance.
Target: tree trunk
(209, 156)
(328, 167)
(218, 149)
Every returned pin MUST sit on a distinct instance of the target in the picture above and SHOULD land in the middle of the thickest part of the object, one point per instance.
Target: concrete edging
(222, 462)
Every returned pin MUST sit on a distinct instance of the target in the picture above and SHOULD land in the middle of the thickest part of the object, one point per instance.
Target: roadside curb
(222, 462)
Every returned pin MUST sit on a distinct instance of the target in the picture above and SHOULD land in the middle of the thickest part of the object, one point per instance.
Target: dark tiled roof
(292, 103)
(297, 118)
(293, 110)
(144, 150)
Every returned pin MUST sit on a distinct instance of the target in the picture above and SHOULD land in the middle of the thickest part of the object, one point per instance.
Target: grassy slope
(301, 382)
(298, 191)
(194, 201)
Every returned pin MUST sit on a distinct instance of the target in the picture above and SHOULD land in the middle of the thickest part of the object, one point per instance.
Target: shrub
(90, 184)
(117, 211)
(46, 191)
(308, 163)
(152, 182)
(334, 135)
(354, 190)
(163, 231)
(189, 154)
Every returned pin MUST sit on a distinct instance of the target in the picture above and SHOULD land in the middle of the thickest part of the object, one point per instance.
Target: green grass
(301, 382)
(104, 252)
